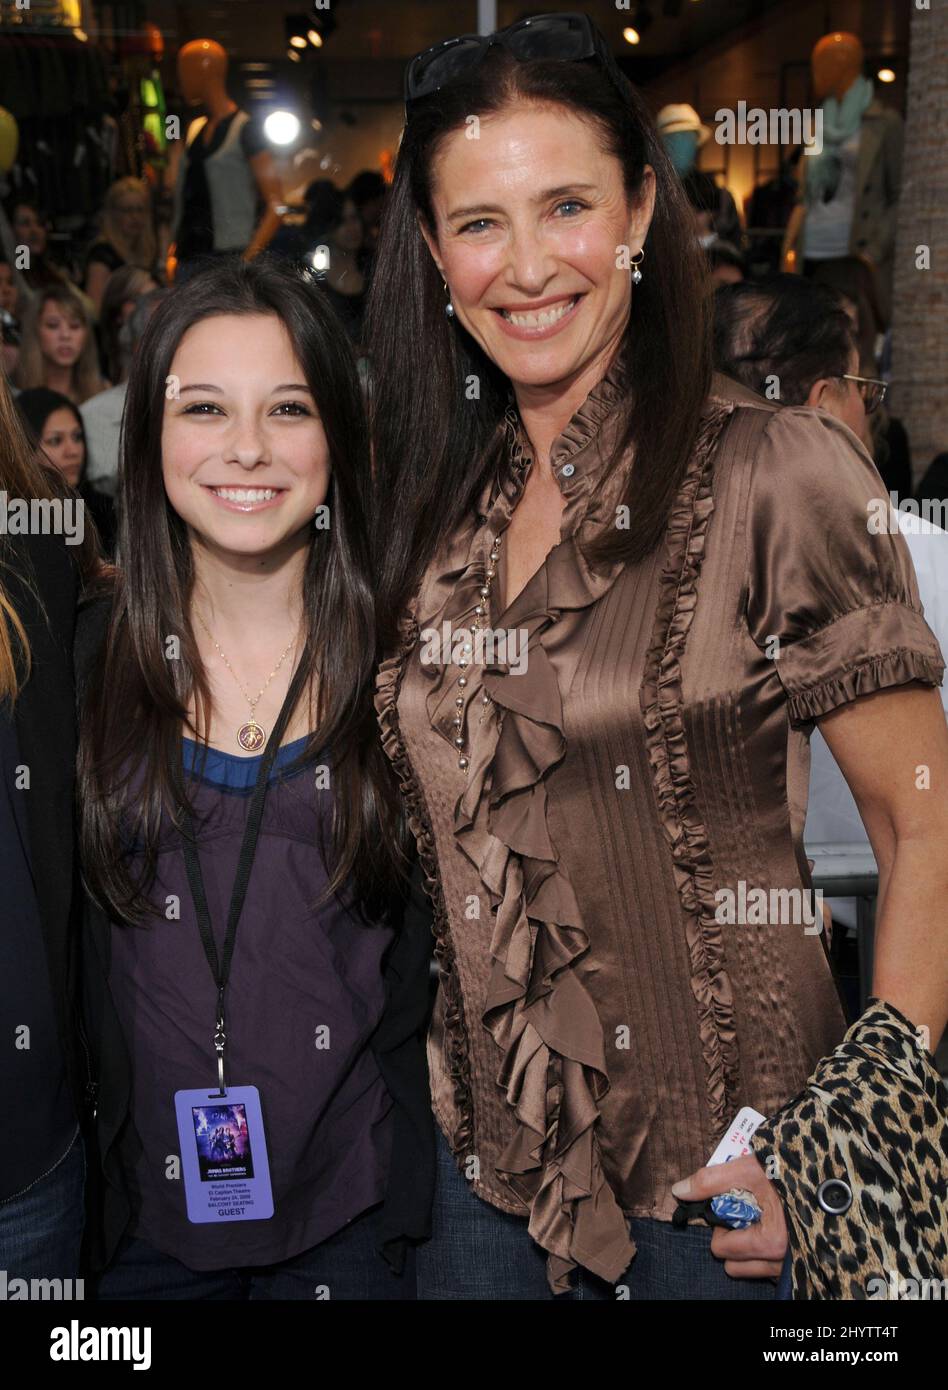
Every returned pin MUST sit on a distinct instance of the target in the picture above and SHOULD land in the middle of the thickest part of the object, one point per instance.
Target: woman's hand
(758, 1251)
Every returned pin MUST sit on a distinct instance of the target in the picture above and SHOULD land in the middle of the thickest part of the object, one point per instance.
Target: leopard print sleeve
(860, 1161)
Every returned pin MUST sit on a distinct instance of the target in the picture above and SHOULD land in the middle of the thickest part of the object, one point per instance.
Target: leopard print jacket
(860, 1161)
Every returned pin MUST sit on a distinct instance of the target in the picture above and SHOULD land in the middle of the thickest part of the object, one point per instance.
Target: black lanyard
(220, 966)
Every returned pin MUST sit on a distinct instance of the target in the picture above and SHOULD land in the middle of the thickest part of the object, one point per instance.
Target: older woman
(619, 593)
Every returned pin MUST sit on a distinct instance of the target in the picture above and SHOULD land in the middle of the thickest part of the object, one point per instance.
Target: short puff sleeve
(825, 575)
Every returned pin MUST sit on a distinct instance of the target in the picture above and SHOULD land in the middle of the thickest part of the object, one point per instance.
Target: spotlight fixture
(281, 127)
(308, 31)
(885, 75)
(631, 35)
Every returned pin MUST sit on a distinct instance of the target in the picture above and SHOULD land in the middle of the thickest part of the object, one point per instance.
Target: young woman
(264, 1005)
(58, 348)
(618, 595)
(58, 434)
(30, 227)
(43, 1069)
(127, 237)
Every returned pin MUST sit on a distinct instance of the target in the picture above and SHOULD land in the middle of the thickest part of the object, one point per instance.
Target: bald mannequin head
(202, 68)
(836, 62)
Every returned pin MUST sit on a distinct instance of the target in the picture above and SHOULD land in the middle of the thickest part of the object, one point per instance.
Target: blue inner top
(232, 771)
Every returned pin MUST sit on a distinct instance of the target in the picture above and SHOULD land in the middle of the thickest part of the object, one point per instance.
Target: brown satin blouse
(597, 1025)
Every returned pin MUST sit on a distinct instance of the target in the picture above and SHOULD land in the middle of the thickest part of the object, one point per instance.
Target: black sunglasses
(567, 37)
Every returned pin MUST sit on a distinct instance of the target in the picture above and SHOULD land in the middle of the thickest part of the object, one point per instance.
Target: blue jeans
(479, 1252)
(41, 1228)
(347, 1266)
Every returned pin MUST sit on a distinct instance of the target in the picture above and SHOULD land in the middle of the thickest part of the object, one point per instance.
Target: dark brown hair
(137, 699)
(789, 329)
(432, 445)
(22, 476)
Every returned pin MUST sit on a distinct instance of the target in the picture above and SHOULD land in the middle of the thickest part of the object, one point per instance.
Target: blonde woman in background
(58, 348)
(127, 237)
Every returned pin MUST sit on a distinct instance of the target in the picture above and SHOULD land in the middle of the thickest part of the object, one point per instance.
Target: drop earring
(636, 262)
(449, 307)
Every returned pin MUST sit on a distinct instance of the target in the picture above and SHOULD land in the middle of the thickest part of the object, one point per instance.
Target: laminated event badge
(224, 1155)
(736, 1208)
(224, 1158)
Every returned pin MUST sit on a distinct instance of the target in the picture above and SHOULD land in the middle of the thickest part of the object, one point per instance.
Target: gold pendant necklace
(251, 736)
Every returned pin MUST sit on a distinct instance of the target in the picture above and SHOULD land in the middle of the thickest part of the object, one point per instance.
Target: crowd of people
(285, 796)
(70, 329)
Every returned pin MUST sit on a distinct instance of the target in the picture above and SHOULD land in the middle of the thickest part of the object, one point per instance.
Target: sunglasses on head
(567, 38)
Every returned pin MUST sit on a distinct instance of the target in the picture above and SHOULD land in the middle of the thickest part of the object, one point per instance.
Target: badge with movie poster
(224, 1159)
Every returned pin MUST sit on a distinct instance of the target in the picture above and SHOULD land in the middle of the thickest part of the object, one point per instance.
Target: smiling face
(63, 445)
(528, 219)
(62, 334)
(244, 457)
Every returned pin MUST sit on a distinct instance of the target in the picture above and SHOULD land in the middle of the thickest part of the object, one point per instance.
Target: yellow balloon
(9, 140)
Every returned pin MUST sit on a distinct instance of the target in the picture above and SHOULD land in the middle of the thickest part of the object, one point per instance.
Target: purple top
(305, 994)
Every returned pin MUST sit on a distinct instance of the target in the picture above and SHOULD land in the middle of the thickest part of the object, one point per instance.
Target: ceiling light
(281, 127)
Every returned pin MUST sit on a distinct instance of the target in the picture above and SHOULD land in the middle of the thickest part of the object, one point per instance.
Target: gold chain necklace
(251, 736)
(480, 621)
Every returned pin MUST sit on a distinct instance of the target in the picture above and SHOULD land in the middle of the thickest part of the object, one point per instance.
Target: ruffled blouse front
(597, 1026)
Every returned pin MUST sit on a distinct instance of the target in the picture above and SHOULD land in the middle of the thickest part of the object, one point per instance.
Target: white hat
(680, 117)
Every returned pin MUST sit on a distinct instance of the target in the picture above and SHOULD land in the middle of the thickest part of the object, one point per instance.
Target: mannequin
(683, 135)
(842, 229)
(224, 168)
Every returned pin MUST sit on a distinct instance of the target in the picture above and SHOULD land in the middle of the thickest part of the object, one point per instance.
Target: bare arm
(97, 277)
(272, 195)
(892, 748)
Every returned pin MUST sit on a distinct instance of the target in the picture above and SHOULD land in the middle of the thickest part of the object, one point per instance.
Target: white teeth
(245, 494)
(544, 319)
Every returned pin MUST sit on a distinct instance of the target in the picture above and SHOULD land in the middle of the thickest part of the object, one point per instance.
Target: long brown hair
(136, 701)
(432, 444)
(22, 476)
